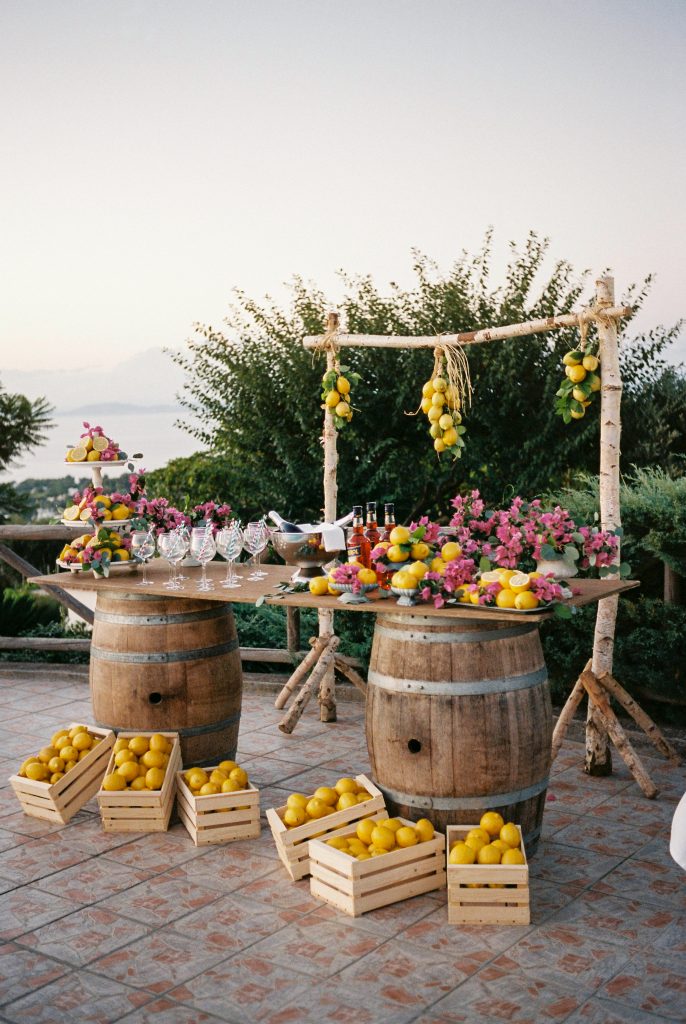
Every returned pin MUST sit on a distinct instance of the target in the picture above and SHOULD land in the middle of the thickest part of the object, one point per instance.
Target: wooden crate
(484, 905)
(61, 800)
(141, 810)
(355, 886)
(221, 817)
(291, 843)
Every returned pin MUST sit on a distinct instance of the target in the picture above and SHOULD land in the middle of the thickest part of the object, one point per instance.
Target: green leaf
(563, 611)
(618, 531)
(576, 406)
(485, 564)
(625, 569)
(571, 553)
(578, 537)
(260, 600)
(548, 552)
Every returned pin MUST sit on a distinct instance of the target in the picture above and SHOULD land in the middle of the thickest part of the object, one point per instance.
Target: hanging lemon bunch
(443, 399)
(336, 385)
(582, 372)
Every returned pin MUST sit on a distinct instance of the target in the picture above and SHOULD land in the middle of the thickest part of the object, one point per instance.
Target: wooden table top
(250, 591)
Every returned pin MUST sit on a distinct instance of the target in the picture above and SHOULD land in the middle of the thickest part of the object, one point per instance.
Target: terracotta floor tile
(92, 881)
(496, 996)
(225, 868)
(596, 835)
(648, 881)
(652, 981)
(478, 944)
(276, 889)
(315, 947)
(83, 936)
(160, 900)
(23, 971)
(167, 1012)
(385, 921)
(157, 962)
(267, 770)
(38, 858)
(603, 1011)
(157, 851)
(232, 923)
(10, 840)
(569, 865)
(26, 908)
(598, 917)
(78, 996)
(673, 938)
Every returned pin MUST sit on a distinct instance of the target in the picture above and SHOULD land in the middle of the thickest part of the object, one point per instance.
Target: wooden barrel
(459, 720)
(160, 663)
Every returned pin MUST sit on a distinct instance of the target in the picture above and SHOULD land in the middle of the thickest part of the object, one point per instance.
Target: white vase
(559, 567)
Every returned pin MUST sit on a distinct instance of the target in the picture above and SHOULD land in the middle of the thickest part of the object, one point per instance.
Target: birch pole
(327, 688)
(598, 756)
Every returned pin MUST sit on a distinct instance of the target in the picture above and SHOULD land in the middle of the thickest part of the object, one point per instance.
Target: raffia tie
(593, 314)
(456, 369)
(327, 343)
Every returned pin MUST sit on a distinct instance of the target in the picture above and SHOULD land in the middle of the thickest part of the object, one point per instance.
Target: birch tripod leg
(327, 686)
(640, 717)
(291, 718)
(567, 714)
(610, 724)
(318, 645)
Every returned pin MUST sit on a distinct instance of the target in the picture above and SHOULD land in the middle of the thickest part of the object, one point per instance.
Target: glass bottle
(371, 530)
(388, 520)
(358, 545)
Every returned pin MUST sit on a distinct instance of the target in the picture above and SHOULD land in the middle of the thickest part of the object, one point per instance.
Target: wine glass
(255, 539)
(229, 542)
(172, 550)
(186, 539)
(143, 548)
(204, 549)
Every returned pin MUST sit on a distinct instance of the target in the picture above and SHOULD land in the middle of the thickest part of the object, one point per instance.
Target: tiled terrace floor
(102, 927)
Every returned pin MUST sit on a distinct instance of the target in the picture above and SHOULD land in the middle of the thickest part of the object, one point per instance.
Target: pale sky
(154, 154)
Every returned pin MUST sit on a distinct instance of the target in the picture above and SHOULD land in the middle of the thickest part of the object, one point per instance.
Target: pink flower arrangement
(210, 512)
(158, 514)
(109, 454)
(347, 575)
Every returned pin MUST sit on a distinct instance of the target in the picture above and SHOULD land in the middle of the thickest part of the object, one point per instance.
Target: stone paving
(112, 927)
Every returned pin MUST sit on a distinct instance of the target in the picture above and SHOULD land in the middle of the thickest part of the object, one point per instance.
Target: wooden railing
(290, 655)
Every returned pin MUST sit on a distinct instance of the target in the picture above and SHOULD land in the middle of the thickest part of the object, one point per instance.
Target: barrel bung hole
(414, 746)
(155, 698)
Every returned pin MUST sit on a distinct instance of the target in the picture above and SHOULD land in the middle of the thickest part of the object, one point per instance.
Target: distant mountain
(149, 380)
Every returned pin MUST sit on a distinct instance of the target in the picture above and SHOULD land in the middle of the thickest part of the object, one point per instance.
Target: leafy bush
(24, 608)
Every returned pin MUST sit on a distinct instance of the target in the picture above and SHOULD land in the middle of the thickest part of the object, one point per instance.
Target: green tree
(254, 391)
(23, 427)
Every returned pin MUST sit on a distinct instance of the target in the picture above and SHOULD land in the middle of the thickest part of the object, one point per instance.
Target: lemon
(450, 551)
(526, 601)
(399, 535)
(509, 833)
(69, 765)
(154, 778)
(404, 580)
(361, 797)
(229, 786)
(492, 576)
(227, 766)
(240, 776)
(114, 781)
(505, 599)
(501, 845)
(420, 550)
(138, 784)
(121, 555)
(476, 842)
(197, 777)
(363, 856)
(327, 794)
(491, 823)
(394, 824)
(590, 363)
(366, 576)
(338, 843)
(519, 582)
(446, 421)
(424, 829)
(356, 846)
(316, 808)
(576, 374)
(427, 389)
(346, 800)
(343, 410)
(439, 445)
(406, 836)
(119, 759)
(577, 414)
(418, 570)
(82, 741)
(78, 454)
(93, 456)
(439, 384)
(56, 764)
(55, 777)
(438, 401)
(343, 385)
(120, 744)
(489, 854)
(121, 512)
(294, 816)
(461, 854)
(435, 414)
(209, 789)
(71, 513)
(450, 437)
(297, 800)
(159, 742)
(513, 857)
(437, 565)
(579, 395)
(345, 785)
(595, 384)
(217, 776)
(396, 554)
(478, 833)
(139, 745)
(426, 404)
(435, 431)
(332, 399)
(571, 359)
(364, 830)
(319, 586)
(128, 771)
(37, 771)
(383, 838)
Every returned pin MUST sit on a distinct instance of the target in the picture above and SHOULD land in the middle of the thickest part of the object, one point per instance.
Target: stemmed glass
(255, 539)
(186, 538)
(204, 549)
(143, 548)
(172, 549)
(229, 542)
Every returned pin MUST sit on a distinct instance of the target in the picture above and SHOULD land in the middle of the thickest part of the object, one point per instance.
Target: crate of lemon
(382, 861)
(304, 817)
(138, 790)
(63, 776)
(488, 873)
(218, 805)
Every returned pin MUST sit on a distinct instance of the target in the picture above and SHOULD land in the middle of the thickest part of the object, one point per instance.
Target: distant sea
(136, 428)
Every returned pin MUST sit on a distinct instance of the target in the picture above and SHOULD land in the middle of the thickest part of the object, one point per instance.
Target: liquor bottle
(388, 520)
(371, 530)
(358, 545)
(283, 524)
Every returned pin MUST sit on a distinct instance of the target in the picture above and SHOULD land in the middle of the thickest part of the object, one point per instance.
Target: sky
(156, 154)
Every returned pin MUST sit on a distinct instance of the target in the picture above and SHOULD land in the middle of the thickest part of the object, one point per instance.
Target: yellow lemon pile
(103, 540)
(515, 589)
(227, 777)
(493, 842)
(582, 381)
(441, 404)
(301, 808)
(67, 747)
(108, 509)
(374, 838)
(140, 763)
